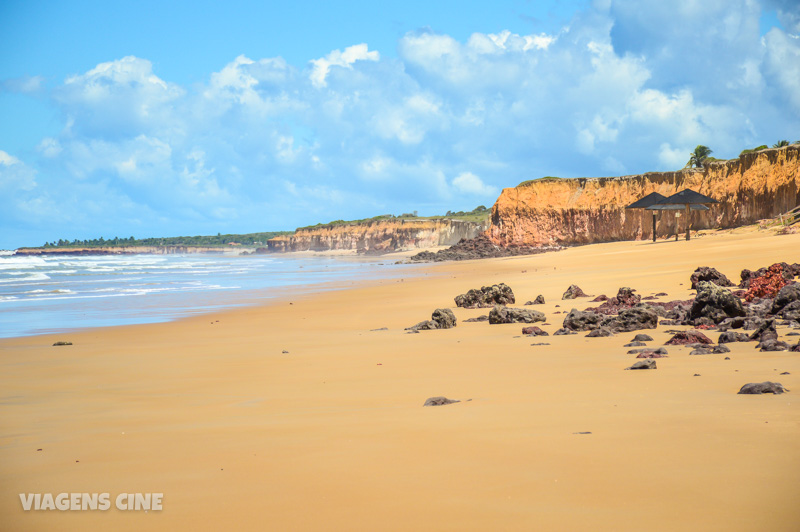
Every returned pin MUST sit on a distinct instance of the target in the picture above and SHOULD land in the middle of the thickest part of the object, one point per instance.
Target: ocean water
(49, 294)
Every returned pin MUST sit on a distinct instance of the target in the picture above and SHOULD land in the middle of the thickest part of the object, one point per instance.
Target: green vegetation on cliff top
(479, 214)
(218, 240)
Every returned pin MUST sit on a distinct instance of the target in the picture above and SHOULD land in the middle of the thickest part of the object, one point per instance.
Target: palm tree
(781, 144)
(698, 156)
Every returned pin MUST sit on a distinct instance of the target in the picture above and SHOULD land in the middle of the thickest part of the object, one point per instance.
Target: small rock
(285, 352)
(440, 401)
(564, 331)
(644, 364)
(710, 350)
(573, 292)
(727, 358)
(641, 337)
(484, 317)
(538, 301)
(662, 294)
(61, 343)
(581, 432)
(541, 343)
(533, 330)
(731, 336)
(696, 375)
(659, 351)
(634, 344)
(651, 354)
(773, 345)
(689, 337)
(487, 296)
(785, 373)
(600, 332)
(757, 388)
(381, 329)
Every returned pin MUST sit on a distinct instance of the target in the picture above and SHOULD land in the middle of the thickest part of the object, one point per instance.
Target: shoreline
(332, 435)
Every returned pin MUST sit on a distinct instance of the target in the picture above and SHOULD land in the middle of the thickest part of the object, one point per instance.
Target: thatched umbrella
(685, 199)
(647, 202)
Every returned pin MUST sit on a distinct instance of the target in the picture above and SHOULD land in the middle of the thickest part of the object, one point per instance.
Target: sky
(184, 118)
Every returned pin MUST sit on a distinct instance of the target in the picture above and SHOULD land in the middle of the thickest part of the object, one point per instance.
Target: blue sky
(169, 118)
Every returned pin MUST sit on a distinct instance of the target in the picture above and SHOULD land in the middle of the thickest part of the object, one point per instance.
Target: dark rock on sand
(731, 323)
(715, 303)
(631, 319)
(773, 345)
(501, 314)
(440, 401)
(541, 343)
(758, 388)
(484, 317)
(644, 364)
(479, 247)
(533, 330)
(578, 320)
(791, 311)
(573, 292)
(487, 296)
(601, 297)
(650, 354)
(61, 343)
(689, 337)
(625, 298)
(442, 318)
(563, 331)
(718, 349)
(704, 273)
(786, 295)
(599, 332)
(634, 344)
(659, 351)
(538, 301)
(766, 331)
(641, 337)
(729, 337)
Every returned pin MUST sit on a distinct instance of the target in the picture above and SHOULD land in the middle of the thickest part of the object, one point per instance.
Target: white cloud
(469, 183)
(15, 175)
(351, 54)
(620, 89)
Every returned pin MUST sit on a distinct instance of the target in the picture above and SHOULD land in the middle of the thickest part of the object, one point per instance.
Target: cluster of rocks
(480, 247)
(628, 319)
(486, 297)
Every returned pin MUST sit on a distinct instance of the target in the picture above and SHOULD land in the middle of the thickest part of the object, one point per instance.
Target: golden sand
(333, 436)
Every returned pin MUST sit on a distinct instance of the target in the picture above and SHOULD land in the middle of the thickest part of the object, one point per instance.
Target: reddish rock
(534, 330)
(689, 337)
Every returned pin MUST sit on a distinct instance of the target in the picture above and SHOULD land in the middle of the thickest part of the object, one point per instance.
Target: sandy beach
(332, 435)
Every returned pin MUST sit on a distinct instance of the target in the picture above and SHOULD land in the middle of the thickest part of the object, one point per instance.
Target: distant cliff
(377, 236)
(577, 211)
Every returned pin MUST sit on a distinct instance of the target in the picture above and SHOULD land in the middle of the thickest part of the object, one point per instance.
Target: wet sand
(333, 436)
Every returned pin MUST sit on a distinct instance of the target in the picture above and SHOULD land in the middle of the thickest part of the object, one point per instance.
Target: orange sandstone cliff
(578, 211)
(377, 236)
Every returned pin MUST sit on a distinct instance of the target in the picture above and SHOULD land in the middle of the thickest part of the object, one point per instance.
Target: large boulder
(631, 319)
(757, 388)
(715, 303)
(573, 292)
(711, 275)
(578, 320)
(487, 296)
(788, 294)
(502, 314)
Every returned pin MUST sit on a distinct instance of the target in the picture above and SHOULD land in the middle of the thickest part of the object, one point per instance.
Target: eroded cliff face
(377, 237)
(584, 210)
